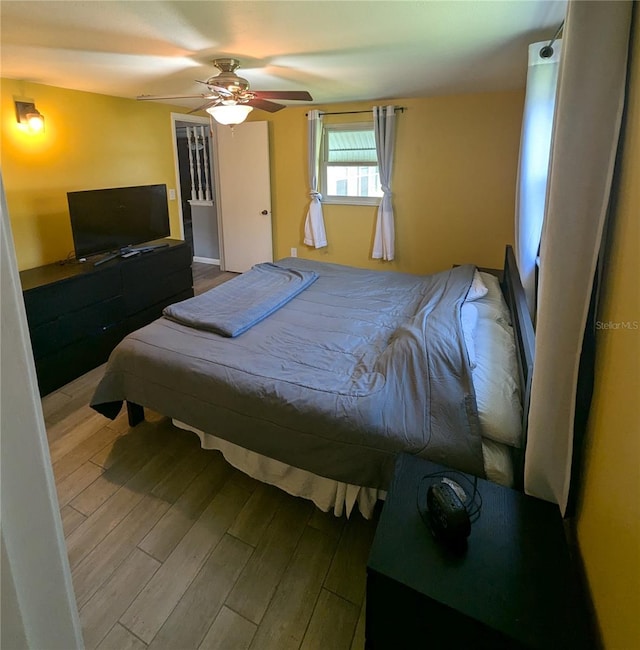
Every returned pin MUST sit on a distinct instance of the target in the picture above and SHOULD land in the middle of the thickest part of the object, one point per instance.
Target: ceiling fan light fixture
(230, 114)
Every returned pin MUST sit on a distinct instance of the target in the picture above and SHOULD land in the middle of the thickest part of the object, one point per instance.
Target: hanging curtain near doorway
(314, 232)
(590, 103)
(535, 148)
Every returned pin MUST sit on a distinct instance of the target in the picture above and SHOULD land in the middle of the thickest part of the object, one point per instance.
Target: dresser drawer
(67, 363)
(142, 318)
(71, 327)
(142, 294)
(48, 302)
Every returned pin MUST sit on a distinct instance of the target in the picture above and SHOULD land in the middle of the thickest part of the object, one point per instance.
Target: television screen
(111, 219)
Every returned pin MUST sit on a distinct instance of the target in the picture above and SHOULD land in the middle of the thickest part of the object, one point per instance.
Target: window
(349, 165)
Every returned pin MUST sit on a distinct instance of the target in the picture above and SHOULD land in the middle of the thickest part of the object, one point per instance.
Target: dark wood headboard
(525, 344)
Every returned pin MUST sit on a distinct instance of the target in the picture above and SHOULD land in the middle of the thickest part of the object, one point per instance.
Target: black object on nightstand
(513, 586)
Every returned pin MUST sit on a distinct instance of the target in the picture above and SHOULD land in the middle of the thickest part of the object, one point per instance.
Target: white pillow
(492, 304)
(495, 376)
(497, 462)
(477, 289)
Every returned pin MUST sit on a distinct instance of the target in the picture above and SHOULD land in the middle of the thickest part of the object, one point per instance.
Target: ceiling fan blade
(298, 95)
(264, 105)
(203, 107)
(144, 97)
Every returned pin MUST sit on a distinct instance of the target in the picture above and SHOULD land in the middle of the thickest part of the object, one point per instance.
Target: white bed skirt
(327, 494)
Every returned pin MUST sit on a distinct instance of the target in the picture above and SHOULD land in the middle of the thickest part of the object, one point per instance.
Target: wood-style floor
(173, 549)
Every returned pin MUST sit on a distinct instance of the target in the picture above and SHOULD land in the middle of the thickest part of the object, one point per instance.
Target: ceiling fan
(229, 98)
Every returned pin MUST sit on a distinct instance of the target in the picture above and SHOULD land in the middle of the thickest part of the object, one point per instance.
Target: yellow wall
(453, 183)
(90, 141)
(609, 515)
(454, 174)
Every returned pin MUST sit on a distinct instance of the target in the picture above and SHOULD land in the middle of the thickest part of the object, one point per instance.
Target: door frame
(213, 164)
(215, 175)
(38, 602)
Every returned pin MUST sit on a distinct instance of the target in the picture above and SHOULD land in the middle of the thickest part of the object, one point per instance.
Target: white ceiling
(337, 50)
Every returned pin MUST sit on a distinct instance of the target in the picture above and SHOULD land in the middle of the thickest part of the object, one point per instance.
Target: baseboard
(206, 260)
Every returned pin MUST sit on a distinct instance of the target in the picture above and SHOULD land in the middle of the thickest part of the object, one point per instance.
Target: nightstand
(513, 587)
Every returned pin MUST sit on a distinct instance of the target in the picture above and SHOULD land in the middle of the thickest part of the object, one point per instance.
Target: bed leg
(135, 413)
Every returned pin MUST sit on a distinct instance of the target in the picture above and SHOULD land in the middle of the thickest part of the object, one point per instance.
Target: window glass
(351, 146)
(349, 164)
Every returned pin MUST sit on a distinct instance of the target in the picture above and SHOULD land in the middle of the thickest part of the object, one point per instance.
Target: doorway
(195, 186)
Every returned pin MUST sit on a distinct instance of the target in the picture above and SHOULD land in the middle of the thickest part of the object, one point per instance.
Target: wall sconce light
(230, 113)
(29, 117)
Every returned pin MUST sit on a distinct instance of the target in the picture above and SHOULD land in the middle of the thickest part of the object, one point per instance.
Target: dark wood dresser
(77, 313)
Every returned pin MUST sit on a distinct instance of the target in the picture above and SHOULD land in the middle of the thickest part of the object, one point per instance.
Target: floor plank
(359, 636)
(180, 517)
(189, 622)
(183, 472)
(256, 585)
(70, 399)
(150, 610)
(119, 638)
(130, 454)
(105, 607)
(332, 624)
(208, 276)
(115, 547)
(98, 437)
(285, 621)
(140, 440)
(71, 519)
(229, 632)
(108, 483)
(53, 404)
(348, 573)
(328, 523)
(257, 514)
(119, 505)
(66, 434)
(71, 486)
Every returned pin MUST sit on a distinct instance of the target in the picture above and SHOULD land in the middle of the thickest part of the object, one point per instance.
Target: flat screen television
(109, 220)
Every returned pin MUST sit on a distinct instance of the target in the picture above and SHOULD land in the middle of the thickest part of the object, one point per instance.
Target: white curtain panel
(535, 148)
(589, 110)
(314, 232)
(384, 122)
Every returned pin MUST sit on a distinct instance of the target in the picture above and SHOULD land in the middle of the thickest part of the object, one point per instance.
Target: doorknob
(265, 212)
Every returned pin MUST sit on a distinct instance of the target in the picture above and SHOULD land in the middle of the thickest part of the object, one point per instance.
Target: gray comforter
(357, 367)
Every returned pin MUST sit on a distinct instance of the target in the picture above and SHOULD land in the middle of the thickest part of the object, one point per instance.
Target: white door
(244, 195)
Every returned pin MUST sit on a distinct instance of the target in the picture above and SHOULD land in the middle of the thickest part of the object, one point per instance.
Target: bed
(321, 391)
